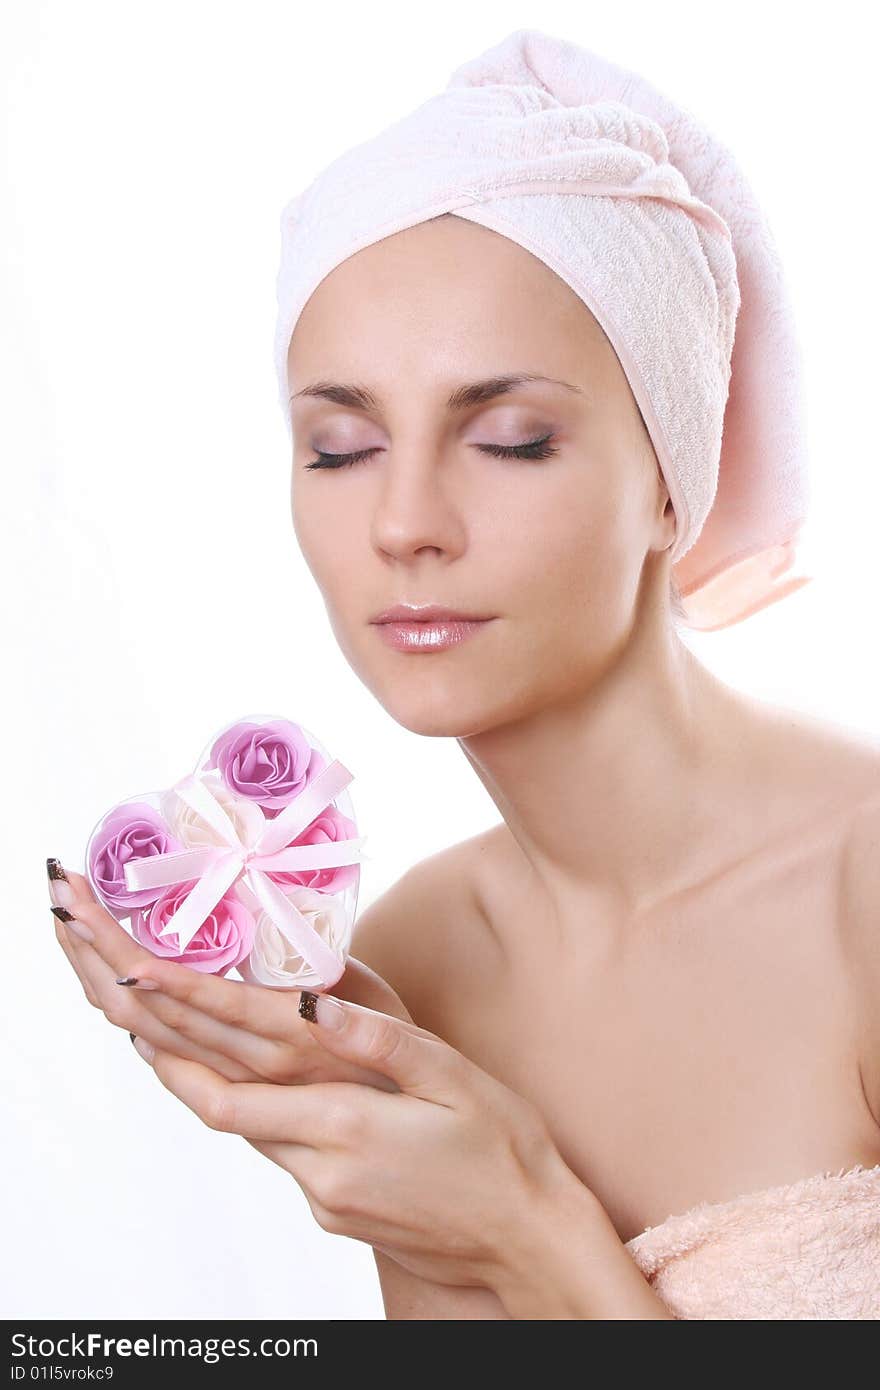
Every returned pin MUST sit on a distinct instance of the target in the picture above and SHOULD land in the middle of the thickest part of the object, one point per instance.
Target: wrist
(531, 1281)
(564, 1258)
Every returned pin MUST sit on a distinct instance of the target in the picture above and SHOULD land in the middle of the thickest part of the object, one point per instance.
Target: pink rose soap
(250, 863)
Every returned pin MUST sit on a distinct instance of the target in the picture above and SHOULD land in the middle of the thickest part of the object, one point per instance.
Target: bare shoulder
(429, 925)
(816, 756)
(837, 770)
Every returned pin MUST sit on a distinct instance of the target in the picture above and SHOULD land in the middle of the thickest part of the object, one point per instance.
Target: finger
(128, 1011)
(266, 1059)
(99, 981)
(311, 1169)
(170, 1044)
(258, 1030)
(263, 1057)
(254, 1009)
(116, 947)
(362, 985)
(318, 1175)
(259, 1026)
(66, 943)
(234, 1004)
(204, 1009)
(322, 1115)
(420, 1062)
(293, 1158)
(322, 1180)
(92, 970)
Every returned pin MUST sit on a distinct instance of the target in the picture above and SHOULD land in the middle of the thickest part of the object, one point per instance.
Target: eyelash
(535, 449)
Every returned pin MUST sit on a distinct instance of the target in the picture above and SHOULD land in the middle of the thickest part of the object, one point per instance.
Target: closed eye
(535, 449)
(340, 460)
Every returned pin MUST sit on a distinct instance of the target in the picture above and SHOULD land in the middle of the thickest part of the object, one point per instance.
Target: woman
(619, 1056)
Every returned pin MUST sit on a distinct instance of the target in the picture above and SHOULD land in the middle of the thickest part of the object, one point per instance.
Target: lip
(428, 628)
(427, 612)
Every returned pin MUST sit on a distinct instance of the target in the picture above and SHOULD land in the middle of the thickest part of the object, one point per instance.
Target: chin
(424, 708)
(447, 708)
(443, 694)
(438, 726)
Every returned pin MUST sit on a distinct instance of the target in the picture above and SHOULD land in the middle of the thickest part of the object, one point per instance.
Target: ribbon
(217, 867)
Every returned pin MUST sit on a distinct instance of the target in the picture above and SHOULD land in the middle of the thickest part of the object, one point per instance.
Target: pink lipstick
(427, 628)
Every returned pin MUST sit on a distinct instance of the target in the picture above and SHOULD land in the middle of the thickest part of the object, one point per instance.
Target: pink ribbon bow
(217, 867)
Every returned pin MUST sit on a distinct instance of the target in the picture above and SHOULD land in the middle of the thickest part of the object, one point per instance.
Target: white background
(152, 588)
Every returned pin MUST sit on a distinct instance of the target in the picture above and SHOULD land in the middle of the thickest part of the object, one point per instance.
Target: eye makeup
(535, 449)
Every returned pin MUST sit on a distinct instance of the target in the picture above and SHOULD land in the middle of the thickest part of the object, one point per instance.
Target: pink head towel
(646, 216)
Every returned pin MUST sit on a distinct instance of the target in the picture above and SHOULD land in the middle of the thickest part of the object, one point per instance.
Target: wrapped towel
(807, 1249)
(646, 216)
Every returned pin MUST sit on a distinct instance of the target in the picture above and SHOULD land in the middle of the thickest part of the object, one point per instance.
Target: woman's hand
(433, 1162)
(396, 1139)
(244, 1032)
(448, 1175)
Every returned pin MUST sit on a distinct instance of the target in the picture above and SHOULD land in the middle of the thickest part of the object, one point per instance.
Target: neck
(620, 792)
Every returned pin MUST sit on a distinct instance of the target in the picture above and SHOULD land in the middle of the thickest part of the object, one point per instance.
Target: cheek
(325, 527)
(569, 548)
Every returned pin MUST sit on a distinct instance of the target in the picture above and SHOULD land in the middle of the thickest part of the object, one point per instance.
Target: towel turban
(647, 217)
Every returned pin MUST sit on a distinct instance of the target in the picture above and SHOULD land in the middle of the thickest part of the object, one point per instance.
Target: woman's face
(550, 548)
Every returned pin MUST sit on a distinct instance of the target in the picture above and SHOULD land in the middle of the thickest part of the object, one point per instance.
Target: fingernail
(138, 982)
(78, 928)
(143, 1047)
(321, 1008)
(60, 890)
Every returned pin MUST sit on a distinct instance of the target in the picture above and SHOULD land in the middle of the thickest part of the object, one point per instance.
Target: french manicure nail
(307, 1002)
(78, 928)
(144, 1048)
(137, 982)
(321, 1008)
(60, 890)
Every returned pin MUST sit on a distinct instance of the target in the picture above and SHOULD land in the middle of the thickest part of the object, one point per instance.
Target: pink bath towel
(808, 1249)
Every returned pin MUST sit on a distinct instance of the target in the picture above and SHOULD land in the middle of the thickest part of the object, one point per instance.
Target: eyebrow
(472, 393)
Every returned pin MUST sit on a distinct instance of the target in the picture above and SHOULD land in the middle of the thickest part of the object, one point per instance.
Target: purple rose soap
(250, 863)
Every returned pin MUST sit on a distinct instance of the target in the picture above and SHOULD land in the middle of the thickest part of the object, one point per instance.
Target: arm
(569, 1262)
(564, 1259)
(407, 1297)
(571, 1265)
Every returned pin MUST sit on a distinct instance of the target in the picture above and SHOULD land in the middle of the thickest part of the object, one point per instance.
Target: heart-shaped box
(252, 862)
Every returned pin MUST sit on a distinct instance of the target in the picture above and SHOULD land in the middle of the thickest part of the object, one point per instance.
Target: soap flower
(275, 961)
(267, 763)
(330, 825)
(133, 830)
(193, 830)
(222, 941)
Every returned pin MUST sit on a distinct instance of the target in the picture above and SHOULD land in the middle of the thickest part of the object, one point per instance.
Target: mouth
(427, 612)
(428, 628)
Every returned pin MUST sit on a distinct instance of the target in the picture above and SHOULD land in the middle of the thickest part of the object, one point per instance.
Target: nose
(414, 508)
